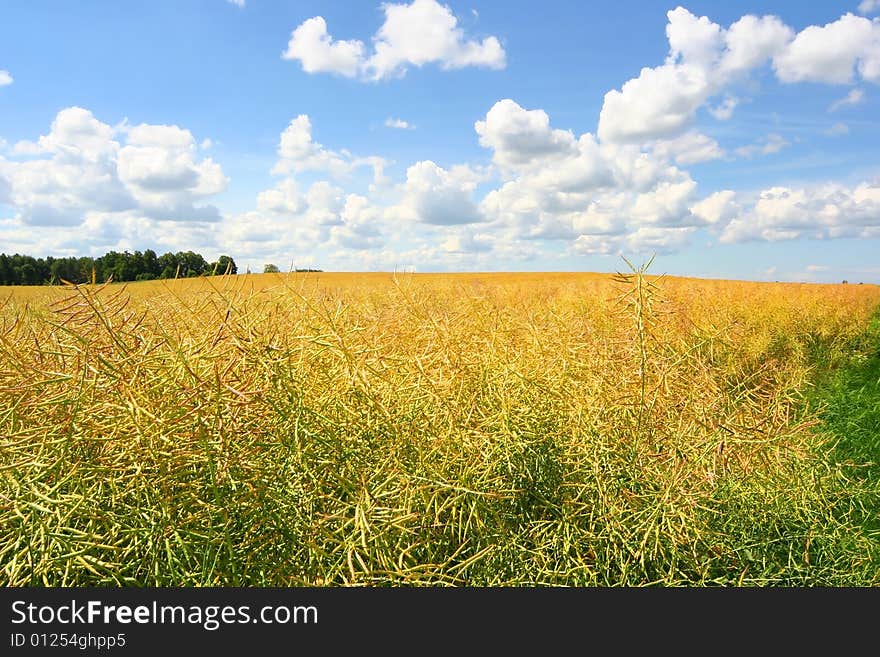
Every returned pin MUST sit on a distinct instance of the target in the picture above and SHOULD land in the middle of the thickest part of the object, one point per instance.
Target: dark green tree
(225, 265)
(21, 269)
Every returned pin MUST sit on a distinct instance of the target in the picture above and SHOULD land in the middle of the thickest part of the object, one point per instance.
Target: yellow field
(332, 429)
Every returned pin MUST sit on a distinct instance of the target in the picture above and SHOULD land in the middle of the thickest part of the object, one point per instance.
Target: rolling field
(430, 429)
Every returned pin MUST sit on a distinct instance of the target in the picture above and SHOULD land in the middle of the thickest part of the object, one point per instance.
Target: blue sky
(734, 140)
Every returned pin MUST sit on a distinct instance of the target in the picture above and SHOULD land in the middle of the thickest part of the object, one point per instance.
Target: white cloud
(667, 204)
(772, 143)
(692, 40)
(690, 148)
(659, 103)
(724, 111)
(297, 151)
(869, 6)
(837, 129)
(325, 203)
(717, 208)
(378, 165)
(424, 32)
(287, 221)
(5, 78)
(5, 188)
(652, 239)
(751, 41)
(832, 53)
(416, 34)
(84, 168)
(822, 211)
(361, 225)
(317, 51)
(284, 198)
(237, 3)
(398, 124)
(557, 186)
(468, 243)
(77, 134)
(854, 97)
(643, 240)
(25, 147)
(522, 138)
(158, 165)
(434, 195)
(703, 58)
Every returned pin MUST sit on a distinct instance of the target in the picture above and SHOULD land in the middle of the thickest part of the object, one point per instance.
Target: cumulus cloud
(705, 59)
(284, 198)
(415, 34)
(717, 208)
(83, 166)
(659, 103)
(854, 97)
(287, 220)
(832, 53)
(287, 224)
(324, 204)
(869, 6)
(361, 226)
(558, 186)
(468, 243)
(425, 32)
(398, 124)
(751, 41)
(642, 240)
(821, 212)
(318, 52)
(522, 138)
(434, 195)
(158, 166)
(5, 78)
(690, 148)
(26, 147)
(696, 41)
(298, 152)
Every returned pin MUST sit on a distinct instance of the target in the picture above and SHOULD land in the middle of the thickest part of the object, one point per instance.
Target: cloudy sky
(735, 140)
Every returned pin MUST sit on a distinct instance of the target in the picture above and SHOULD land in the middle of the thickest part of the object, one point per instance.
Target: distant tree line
(138, 266)
(273, 269)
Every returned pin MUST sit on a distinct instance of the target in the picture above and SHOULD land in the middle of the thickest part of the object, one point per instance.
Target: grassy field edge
(849, 401)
